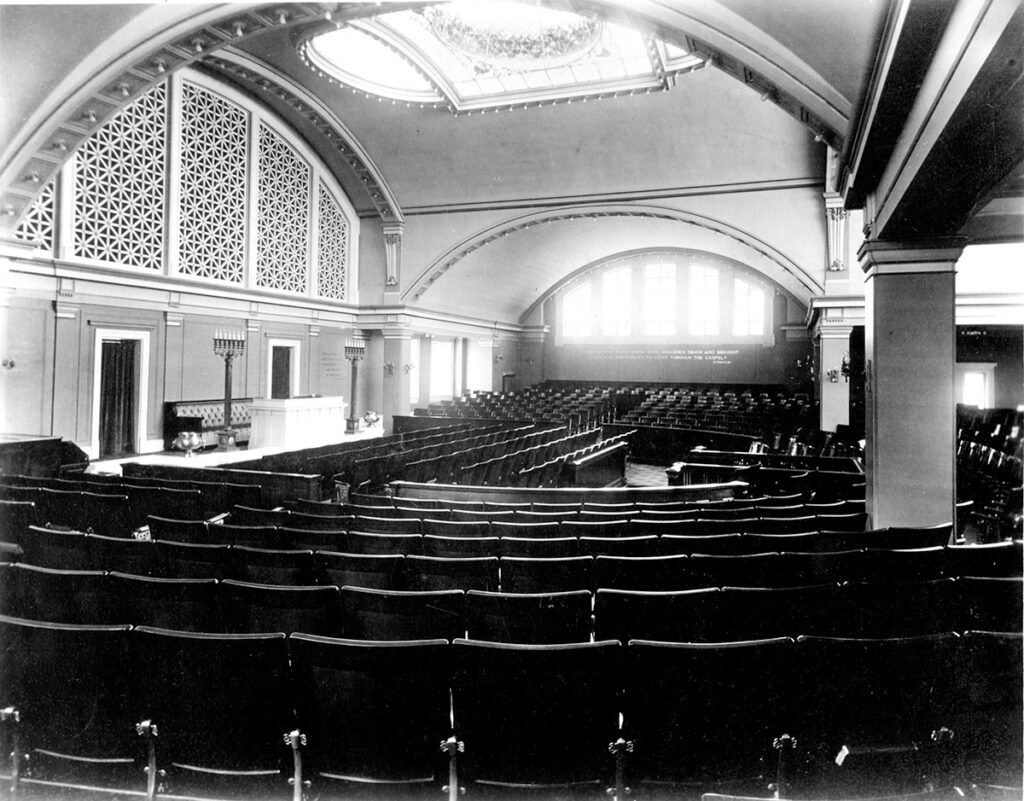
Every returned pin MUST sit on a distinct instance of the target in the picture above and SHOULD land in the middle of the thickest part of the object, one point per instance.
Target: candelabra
(355, 352)
(229, 345)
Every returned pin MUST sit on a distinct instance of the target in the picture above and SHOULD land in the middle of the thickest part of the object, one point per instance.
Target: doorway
(120, 393)
(281, 373)
(282, 376)
(119, 368)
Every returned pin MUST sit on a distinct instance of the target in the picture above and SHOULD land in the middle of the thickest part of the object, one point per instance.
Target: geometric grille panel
(212, 186)
(333, 250)
(119, 186)
(282, 252)
(37, 224)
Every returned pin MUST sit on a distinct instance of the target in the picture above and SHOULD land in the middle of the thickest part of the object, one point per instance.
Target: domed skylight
(482, 54)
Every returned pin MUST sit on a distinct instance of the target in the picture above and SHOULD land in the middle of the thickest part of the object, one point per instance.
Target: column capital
(881, 257)
(253, 326)
(65, 310)
(392, 232)
(173, 319)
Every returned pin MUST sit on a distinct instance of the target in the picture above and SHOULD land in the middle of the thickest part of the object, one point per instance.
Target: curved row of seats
(855, 609)
(252, 711)
(520, 564)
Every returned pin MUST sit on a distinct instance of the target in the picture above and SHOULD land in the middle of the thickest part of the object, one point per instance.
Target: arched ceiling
(540, 250)
(784, 79)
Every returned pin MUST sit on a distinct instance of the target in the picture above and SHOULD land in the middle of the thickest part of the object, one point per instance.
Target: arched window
(680, 296)
(577, 311)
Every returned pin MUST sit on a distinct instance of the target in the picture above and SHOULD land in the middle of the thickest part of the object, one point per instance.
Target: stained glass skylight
(479, 54)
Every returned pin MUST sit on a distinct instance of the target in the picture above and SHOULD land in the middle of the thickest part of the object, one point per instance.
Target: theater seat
(368, 614)
(867, 711)
(222, 703)
(71, 687)
(370, 718)
(535, 716)
(556, 617)
(708, 714)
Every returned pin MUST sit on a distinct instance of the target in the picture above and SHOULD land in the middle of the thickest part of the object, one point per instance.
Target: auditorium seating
(707, 573)
(537, 716)
(707, 716)
(369, 717)
(716, 728)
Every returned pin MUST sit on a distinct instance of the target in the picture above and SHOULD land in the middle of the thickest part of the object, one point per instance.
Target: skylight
(480, 54)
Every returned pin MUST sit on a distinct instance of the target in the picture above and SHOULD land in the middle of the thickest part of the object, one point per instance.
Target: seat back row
(525, 715)
(709, 614)
(539, 564)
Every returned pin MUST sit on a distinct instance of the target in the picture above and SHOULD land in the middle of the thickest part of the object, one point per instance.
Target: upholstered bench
(206, 417)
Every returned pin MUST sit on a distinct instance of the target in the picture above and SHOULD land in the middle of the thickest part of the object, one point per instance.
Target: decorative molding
(314, 331)
(439, 267)
(838, 230)
(639, 195)
(392, 251)
(173, 319)
(263, 81)
(879, 257)
(66, 311)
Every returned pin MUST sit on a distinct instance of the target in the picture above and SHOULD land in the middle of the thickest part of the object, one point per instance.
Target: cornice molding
(654, 193)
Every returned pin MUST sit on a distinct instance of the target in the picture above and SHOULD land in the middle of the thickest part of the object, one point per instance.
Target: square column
(909, 341)
(396, 367)
(834, 401)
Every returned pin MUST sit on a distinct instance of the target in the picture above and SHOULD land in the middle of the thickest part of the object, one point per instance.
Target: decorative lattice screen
(282, 219)
(212, 186)
(37, 224)
(119, 186)
(333, 249)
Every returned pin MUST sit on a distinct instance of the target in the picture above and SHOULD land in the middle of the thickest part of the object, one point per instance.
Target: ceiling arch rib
(564, 239)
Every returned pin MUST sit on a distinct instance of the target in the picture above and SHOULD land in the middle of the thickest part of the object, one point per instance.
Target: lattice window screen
(37, 224)
(333, 249)
(119, 186)
(282, 224)
(212, 186)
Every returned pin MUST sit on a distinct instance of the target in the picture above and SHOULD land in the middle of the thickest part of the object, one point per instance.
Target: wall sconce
(408, 368)
(844, 368)
(389, 368)
(833, 375)
(499, 357)
(8, 364)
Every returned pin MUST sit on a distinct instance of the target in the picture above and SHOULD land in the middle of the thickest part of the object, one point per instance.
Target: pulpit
(296, 422)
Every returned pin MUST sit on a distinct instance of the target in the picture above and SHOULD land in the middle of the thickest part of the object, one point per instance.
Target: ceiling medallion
(511, 36)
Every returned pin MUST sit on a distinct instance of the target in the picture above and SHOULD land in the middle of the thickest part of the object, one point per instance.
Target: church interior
(547, 399)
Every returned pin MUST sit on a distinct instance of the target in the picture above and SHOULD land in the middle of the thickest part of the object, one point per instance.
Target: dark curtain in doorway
(117, 397)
